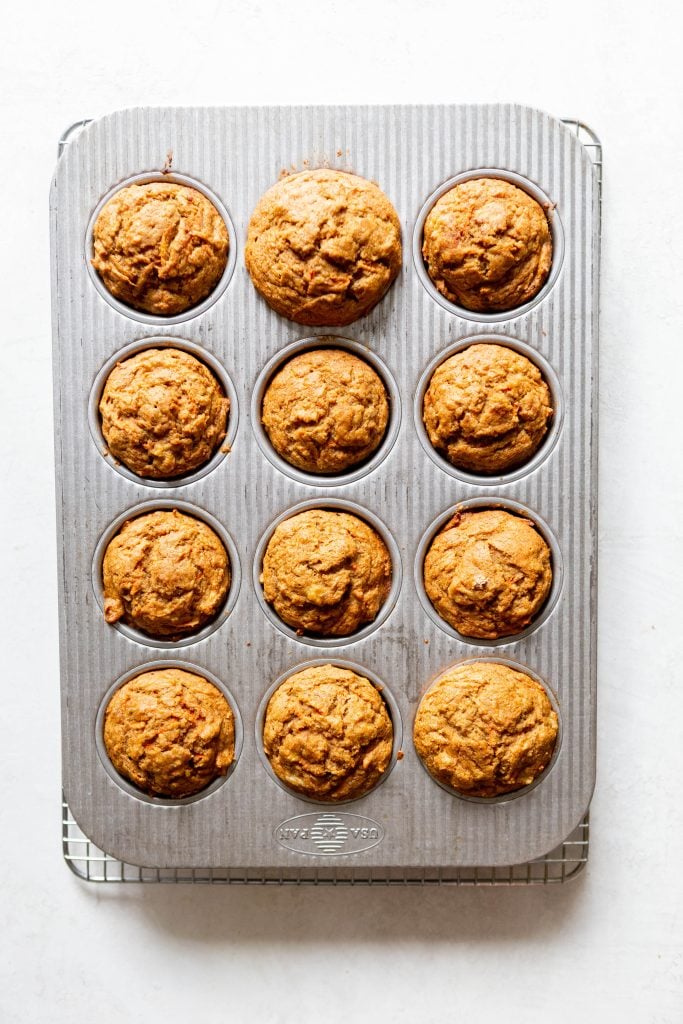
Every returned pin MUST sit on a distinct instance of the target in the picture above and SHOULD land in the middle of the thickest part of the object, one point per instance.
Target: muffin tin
(248, 823)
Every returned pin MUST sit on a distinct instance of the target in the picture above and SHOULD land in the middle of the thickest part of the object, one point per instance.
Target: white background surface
(606, 948)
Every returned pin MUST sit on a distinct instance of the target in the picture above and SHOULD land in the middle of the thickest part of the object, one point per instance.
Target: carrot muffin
(487, 409)
(160, 247)
(488, 573)
(487, 245)
(165, 573)
(485, 729)
(169, 732)
(163, 413)
(323, 247)
(328, 734)
(326, 573)
(325, 411)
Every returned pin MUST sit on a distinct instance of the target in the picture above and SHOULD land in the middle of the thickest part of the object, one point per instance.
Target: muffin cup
(129, 787)
(211, 363)
(554, 223)
(480, 504)
(547, 444)
(371, 461)
(523, 790)
(388, 698)
(333, 505)
(138, 314)
(235, 573)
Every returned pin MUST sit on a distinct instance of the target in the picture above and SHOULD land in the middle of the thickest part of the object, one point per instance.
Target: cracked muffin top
(328, 734)
(169, 732)
(485, 729)
(323, 247)
(163, 413)
(326, 573)
(165, 573)
(160, 247)
(488, 573)
(487, 408)
(487, 245)
(325, 411)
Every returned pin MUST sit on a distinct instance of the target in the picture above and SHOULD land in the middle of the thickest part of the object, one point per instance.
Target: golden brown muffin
(326, 573)
(485, 729)
(487, 245)
(160, 247)
(169, 732)
(327, 733)
(487, 409)
(163, 413)
(325, 411)
(165, 573)
(323, 247)
(488, 573)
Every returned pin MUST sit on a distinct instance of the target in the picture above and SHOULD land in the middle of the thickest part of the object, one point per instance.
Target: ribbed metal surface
(560, 865)
(238, 153)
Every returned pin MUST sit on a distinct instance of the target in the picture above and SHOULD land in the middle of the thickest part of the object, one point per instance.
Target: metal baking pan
(409, 827)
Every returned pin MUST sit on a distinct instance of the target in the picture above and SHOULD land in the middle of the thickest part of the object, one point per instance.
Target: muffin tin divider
(234, 832)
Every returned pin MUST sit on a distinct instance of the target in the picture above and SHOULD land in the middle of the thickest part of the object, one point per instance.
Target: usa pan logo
(329, 833)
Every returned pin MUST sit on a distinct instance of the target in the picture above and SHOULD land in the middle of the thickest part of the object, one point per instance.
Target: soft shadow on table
(211, 915)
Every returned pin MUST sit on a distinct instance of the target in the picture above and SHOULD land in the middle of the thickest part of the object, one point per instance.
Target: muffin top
(163, 413)
(488, 573)
(326, 573)
(487, 245)
(165, 573)
(327, 733)
(485, 729)
(487, 408)
(160, 247)
(325, 411)
(169, 732)
(323, 247)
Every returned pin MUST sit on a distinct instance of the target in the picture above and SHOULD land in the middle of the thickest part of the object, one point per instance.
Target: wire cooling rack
(591, 143)
(566, 861)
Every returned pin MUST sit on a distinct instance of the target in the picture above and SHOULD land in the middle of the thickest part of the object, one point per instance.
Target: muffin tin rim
(352, 508)
(556, 231)
(514, 794)
(196, 512)
(547, 445)
(129, 787)
(202, 355)
(309, 344)
(385, 693)
(482, 504)
(157, 319)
